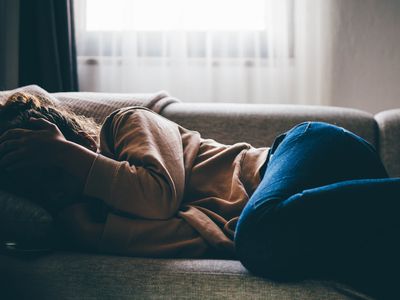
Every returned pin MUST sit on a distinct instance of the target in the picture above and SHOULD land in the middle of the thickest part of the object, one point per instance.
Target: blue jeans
(325, 207)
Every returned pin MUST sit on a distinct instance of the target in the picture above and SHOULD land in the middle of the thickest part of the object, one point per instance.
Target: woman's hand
(42, 145)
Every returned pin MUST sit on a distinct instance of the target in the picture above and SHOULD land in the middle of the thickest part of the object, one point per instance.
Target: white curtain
(259, 51)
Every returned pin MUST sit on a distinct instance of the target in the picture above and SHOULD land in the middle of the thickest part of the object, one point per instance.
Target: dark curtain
(47, 53)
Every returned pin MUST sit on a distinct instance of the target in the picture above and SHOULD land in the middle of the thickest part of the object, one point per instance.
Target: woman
(163, 190)
(309, 205)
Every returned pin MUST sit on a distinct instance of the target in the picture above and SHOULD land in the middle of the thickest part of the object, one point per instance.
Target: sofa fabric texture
(84, 276)
(69, 275)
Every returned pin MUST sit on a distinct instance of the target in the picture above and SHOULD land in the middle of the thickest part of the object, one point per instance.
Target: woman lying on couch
(319, 201)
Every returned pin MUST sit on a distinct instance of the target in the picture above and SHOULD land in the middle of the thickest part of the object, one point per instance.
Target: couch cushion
(71, 276)
(260, 124)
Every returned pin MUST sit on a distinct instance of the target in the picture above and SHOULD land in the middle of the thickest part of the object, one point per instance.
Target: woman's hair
(20, 107)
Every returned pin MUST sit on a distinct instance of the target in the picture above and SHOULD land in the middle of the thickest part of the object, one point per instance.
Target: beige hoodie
(169, 192)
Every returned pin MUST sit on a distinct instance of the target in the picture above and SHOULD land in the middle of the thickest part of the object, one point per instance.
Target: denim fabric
(325, 206)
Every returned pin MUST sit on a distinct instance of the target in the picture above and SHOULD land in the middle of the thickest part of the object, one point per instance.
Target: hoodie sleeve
(144, 176)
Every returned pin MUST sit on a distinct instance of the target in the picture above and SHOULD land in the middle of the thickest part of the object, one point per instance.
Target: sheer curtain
(259, 51)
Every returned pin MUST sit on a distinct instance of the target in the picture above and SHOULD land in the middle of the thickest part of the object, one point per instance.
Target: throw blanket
(98, 105)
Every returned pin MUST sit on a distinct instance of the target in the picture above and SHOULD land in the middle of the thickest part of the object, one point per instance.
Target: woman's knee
(266, 244)
(251, 250)
(272, 254)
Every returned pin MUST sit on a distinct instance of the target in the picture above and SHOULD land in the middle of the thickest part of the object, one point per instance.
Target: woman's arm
(76, 160)
(130, 236)
(145, 176)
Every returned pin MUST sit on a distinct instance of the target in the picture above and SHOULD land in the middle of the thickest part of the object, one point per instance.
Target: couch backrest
(260, 124)
(229, 123)
(256, 124)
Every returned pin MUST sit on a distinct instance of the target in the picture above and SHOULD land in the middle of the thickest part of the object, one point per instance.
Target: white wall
(366, 54)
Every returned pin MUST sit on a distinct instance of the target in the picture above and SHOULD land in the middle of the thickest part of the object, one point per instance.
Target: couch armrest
(389, 140)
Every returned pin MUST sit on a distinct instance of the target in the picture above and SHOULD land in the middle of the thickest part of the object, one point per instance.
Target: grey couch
(69, 275)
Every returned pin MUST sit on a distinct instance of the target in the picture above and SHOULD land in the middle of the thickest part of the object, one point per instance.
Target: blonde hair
(20, 107)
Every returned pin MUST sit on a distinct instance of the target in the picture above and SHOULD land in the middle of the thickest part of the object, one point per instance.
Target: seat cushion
(83, 276)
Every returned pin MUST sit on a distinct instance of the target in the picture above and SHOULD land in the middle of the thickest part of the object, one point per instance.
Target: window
(211, 28)
(162, 15)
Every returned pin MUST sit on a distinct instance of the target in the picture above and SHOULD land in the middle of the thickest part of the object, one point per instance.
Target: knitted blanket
(98, 105)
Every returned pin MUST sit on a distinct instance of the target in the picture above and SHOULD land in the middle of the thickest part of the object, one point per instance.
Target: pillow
(25, 227)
